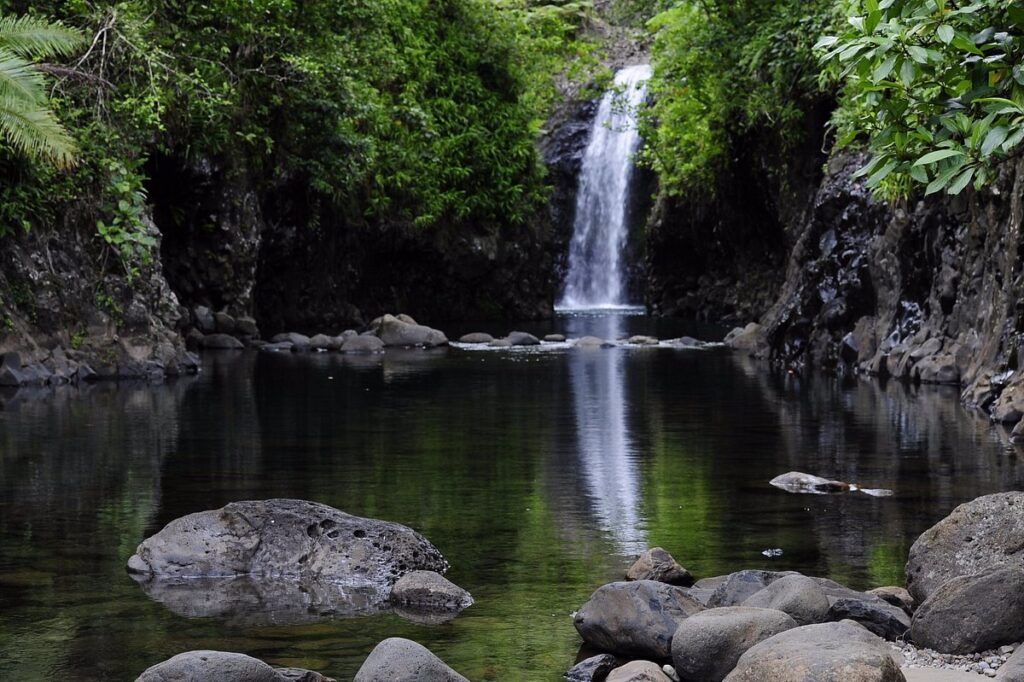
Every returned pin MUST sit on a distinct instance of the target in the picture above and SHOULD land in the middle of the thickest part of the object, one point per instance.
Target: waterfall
(600, 229)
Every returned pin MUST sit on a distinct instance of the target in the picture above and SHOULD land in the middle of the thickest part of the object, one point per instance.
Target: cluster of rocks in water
(62, 367)
(526, 339)
(962, 608)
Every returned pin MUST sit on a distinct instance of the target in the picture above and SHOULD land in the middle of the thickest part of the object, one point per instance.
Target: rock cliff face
(928, 291)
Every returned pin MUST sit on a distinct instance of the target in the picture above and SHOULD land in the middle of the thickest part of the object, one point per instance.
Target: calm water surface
(539, 475)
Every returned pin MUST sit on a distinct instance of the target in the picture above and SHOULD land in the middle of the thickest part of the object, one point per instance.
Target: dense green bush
(936, 88)
(421, 113)
(722, 69)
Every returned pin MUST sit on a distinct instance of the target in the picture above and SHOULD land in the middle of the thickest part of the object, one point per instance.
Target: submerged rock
(640, 340)
(799, 482)
(985, 533)
(223, 666)
(635, 618)
(476, 337)
(283, 538)
(707, 645)
(396, 660)
(555, 338)
(589, 342)
(829, 652)
(657, 564)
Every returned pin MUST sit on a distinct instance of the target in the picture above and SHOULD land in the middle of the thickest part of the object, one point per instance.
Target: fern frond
(34, 130)
(20, 79)
(34, 38)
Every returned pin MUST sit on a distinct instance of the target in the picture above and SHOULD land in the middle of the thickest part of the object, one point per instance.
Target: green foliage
(26, 121)
(126, 232)
(721, 70)
(936, 87)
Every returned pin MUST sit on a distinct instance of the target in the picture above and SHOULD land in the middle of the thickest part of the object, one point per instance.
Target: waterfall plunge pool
(539, 476)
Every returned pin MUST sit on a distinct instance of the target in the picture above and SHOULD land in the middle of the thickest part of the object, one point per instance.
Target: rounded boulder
(707, 645)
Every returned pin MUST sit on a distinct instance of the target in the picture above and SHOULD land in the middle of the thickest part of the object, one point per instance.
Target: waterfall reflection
(605, 448)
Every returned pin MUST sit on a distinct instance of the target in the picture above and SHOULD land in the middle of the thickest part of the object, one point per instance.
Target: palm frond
(34, 130)
(31, 37)
(20, 79)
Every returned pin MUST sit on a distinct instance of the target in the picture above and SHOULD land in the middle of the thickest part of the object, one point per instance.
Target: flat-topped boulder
(977, 536)
(282, 538)
(223, 666)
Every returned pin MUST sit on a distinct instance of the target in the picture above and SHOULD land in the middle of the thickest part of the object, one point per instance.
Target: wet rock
(797, 595)
(280, 346)
(878, 616)
(737, 587)
(589, 342)
(224, 323)
(522, 339)
(639, 671)
(635, 618)
(593, 669)
(685, 342)
(220, 342)
(205, 321)
(657, 564)
(394, 331)
(897, 596)
(708, 644)
(429, 590)
(799, 482)
(640, 340)
(396, 659)
(362, 344)
(555, 338)
(500, 343)
(322, 342)
(747, 338)
(285, 539)
(977, 536)
(828, 652)
(291, 337)
(246, 326)
(972, 613)
(223, 666)
(1009, 406)
(476, 337)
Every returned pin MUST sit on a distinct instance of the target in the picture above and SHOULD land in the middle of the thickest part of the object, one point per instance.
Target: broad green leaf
(946, 33)
(961, 182)
(994, 139)
(882, 173)
(936, 156)
(884, 69)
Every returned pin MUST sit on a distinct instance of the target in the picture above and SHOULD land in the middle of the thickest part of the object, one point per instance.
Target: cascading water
(600, 229)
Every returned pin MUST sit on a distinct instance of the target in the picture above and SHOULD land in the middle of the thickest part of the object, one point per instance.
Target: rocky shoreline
(962, 609)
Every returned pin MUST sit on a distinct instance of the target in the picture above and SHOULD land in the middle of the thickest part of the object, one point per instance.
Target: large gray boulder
(402, 660)
(737, 587)
(635, 618)
(638, 671)
(972, 613)
(220, 342)
(657, 564)
(707, 645)
(429, 590)
(977, 536)
(827, 652)
(281, 538)
(396, 332)
(799, 596)
(223, 666)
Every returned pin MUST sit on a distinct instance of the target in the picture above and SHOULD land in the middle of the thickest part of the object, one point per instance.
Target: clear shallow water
(537, 474)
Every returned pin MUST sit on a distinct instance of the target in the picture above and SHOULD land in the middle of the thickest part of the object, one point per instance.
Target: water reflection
(605, 450)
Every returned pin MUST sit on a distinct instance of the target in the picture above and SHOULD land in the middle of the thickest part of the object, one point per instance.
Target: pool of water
(539, 475)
